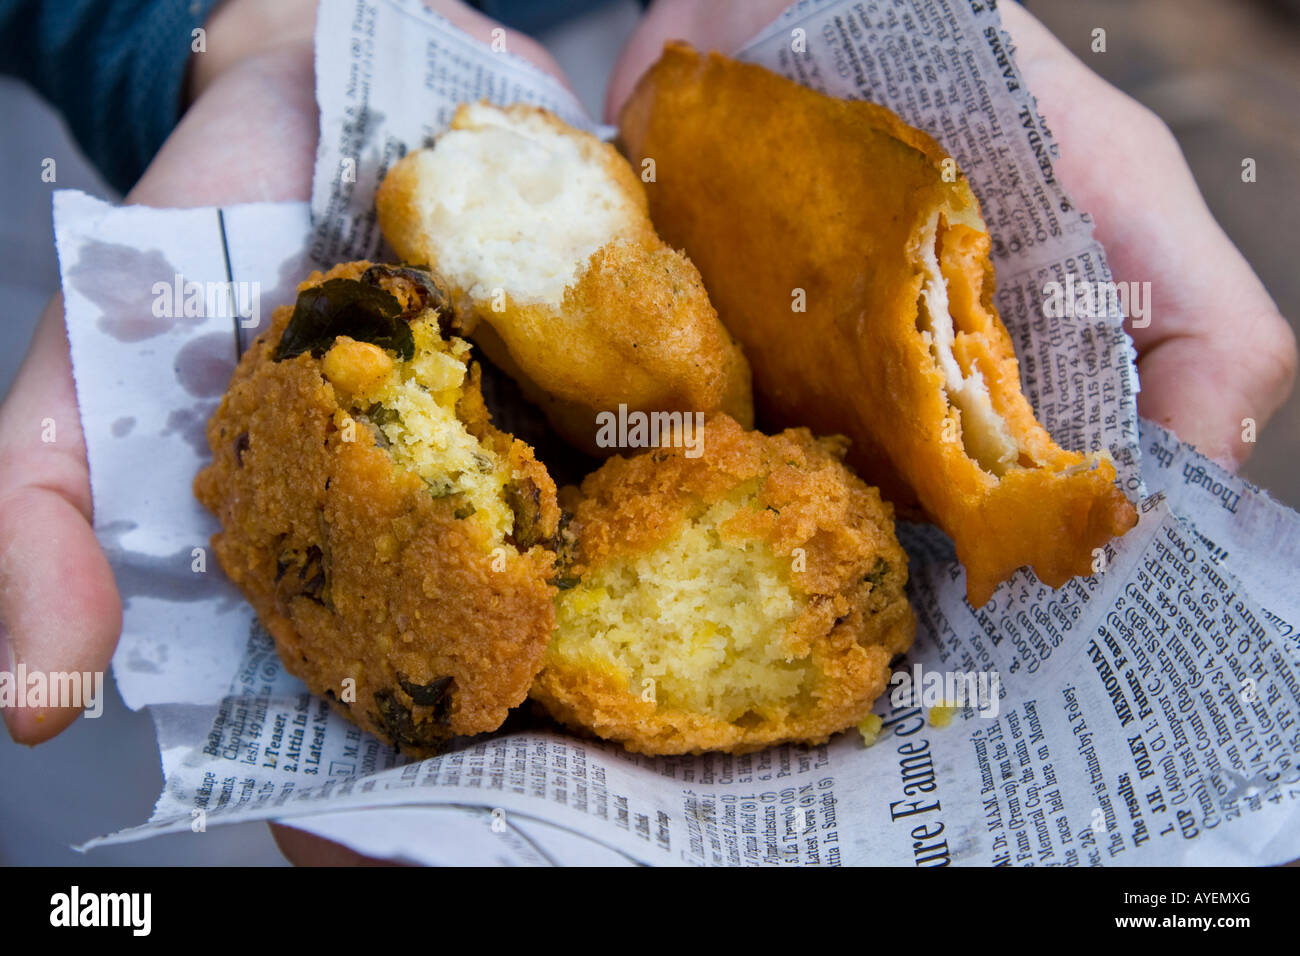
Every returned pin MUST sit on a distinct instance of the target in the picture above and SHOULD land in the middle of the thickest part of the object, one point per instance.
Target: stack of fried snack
(723, 589)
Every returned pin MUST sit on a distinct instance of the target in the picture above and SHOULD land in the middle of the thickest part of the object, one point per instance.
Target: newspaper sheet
(1146, 714)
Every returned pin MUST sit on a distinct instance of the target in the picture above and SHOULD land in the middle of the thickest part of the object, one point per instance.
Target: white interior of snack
(984, 434)
(510, 203)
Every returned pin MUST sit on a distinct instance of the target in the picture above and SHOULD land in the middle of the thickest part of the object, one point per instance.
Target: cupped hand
(249, 135)
(1214, 351)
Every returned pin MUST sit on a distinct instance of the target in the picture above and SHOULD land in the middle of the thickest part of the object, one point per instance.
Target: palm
(250, 137)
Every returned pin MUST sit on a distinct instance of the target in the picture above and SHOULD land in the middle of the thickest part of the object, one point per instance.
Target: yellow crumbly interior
(869, 727)
(941, 716)
(414, 407)
(703, 619)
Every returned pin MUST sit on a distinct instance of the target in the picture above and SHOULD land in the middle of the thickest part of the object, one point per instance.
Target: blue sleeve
(115, 69)
(533, 16)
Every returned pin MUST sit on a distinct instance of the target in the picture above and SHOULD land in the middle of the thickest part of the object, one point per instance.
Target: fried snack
(391, 540)
(749, 596)
(556, 272)
(847, 214)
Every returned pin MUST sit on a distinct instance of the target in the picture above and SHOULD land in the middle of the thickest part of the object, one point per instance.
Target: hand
(1216, 350)
(249, 135)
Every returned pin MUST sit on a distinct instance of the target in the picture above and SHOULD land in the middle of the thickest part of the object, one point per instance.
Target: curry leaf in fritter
(337, 307)
(427, 292)
(398, 722)
(434, 694)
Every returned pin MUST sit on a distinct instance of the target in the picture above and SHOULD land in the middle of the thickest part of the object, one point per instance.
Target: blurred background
(1224, 74)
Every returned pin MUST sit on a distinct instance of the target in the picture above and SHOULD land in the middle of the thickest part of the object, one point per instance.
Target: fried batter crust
(836, 205)
(357, 571)
(851, 626)
(635, 326)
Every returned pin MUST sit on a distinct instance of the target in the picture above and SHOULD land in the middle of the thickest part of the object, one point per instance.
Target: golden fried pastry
(392, 541)
(542, 233)
(748, 596)
(859, 282)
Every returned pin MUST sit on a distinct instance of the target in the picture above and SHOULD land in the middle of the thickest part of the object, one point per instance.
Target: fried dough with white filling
(862, 221)
(542, 233)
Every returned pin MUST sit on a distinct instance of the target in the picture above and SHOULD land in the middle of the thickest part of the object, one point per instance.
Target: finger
(240, 29)
(1213, 349)
(484, 29)
(243, 29)
(305, 849)
(59, 608)
(1195, 388)
(1121, 161)
(722, 25)
(250, 138)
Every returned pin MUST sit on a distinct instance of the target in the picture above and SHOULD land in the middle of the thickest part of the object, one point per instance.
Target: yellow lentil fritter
(394, 543)
(748, 596)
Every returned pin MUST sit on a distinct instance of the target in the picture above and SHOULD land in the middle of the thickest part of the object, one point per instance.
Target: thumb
(721, 25)
(305, 849)
(59, 609)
